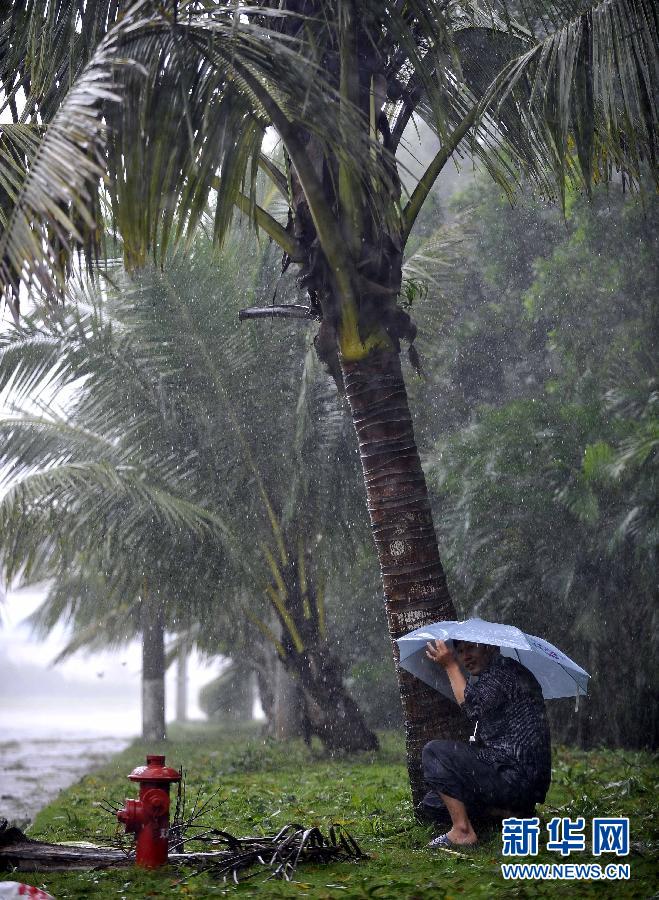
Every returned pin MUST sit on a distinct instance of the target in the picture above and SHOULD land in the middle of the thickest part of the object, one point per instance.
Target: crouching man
(507, 763)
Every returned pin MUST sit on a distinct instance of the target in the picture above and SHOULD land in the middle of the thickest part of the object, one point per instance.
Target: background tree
(339, 82)
(100, 619)
(230, 696)
(156, 389)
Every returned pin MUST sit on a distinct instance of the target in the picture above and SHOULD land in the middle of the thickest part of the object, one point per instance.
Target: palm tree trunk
(329, 710)
(412, 576)
(287, 712)
(182, 683)
(153, 672)
(324, 705)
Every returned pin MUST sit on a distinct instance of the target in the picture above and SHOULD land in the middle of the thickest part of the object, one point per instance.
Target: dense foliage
(546, 482)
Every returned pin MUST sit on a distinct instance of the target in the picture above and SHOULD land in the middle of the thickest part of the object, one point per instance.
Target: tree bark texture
(414, 583)
(329, 709)
(153, 671)
(287, 712)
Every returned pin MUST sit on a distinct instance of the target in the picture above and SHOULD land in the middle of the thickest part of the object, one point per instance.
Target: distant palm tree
(107, 613)
(172, 101)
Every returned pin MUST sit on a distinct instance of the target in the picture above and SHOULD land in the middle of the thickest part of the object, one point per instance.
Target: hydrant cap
(155, 770)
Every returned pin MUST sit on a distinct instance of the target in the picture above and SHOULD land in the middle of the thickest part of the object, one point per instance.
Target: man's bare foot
(444, 842)
(464, 836)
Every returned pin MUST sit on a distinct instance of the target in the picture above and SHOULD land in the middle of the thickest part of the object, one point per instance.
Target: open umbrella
(556, 673)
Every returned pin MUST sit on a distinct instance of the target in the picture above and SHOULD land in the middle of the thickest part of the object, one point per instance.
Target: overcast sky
(95, 692)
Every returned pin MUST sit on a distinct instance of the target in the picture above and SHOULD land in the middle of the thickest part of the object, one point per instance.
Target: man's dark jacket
(512, 731)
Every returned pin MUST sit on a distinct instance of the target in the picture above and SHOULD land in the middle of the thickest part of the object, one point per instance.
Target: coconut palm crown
(152, 108)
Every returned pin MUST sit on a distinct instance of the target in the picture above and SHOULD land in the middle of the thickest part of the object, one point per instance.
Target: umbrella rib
(567, 672)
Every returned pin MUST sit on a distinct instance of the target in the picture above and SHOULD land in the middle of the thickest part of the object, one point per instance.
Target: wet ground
(34, 769)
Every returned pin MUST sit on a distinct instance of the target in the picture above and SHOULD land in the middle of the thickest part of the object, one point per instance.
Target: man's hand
(439, 653)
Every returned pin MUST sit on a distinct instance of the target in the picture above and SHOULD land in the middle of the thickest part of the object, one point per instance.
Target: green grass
(263, 785)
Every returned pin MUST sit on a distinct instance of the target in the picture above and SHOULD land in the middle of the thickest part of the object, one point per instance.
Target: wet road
(34, 769)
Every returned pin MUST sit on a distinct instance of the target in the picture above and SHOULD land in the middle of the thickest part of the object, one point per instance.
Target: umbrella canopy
(556, 673)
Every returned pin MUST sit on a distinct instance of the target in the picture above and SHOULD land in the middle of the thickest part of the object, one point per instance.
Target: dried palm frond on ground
(189, 826)
(281, 853)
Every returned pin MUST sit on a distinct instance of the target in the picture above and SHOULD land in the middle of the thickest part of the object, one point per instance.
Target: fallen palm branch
(276, 856)
(279, 855)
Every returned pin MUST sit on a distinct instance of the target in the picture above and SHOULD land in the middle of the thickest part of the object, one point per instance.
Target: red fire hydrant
(148, 817)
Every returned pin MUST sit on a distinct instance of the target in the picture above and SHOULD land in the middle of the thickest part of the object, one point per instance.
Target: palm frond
(18, 146)
(107, 631)
(579, 103)
(197, 95)
(44, 46)
(32, 441)
(55, 206)
(537, 17)
(435, 263)
(590, 90)
(101, 616)
(29, 361)
(140, 407)
(111, 493)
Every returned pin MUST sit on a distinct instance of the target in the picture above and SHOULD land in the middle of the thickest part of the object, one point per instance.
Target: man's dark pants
(453, 768)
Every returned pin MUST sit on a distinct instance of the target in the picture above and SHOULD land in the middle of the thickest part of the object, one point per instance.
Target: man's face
(474, 657)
